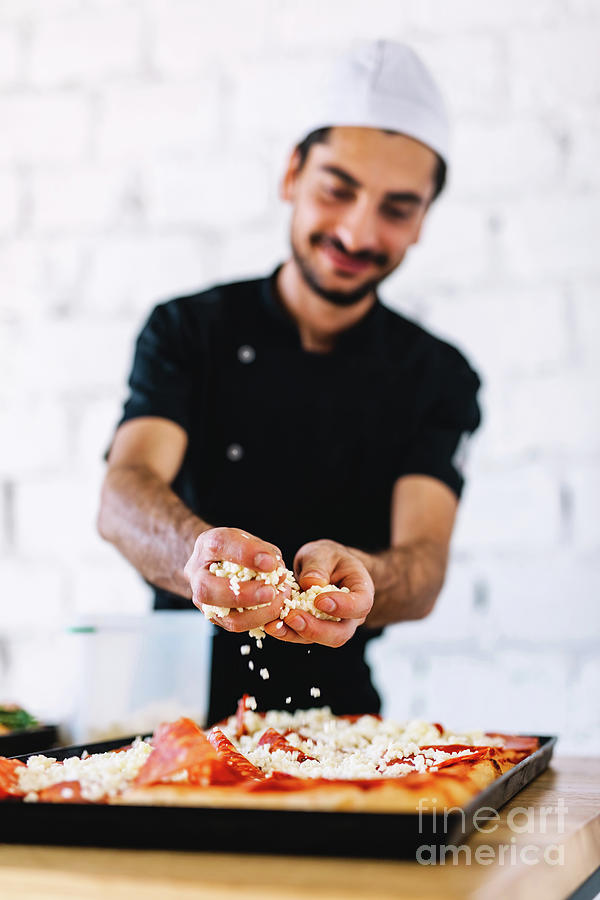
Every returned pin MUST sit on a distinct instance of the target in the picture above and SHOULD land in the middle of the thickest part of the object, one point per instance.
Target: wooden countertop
(547, 860)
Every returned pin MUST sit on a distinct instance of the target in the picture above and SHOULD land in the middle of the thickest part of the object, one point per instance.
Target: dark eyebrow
(405, 197)
(392, 196)
(342, 175)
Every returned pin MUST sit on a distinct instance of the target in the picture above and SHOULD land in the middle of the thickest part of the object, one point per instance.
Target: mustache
(380, 259)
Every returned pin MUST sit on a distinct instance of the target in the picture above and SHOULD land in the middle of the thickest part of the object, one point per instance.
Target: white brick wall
(86, 47)
(9, 56)
(9, 201)
(52, 128)
(142, 145)
(80, 199)
(499, 157)
(586, 322)
(512, 510)
(130, 272)
(550, 235)
(221, 194)
(188, 38)
(584, 136)
(141, 120)
(553, 68)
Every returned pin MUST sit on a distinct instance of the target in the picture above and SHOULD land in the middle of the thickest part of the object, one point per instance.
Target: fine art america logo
(503, 850)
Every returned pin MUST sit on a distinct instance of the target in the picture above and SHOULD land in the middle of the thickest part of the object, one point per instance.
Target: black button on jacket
(294, 446)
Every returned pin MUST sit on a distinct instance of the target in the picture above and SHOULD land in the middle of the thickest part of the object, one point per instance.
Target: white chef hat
(383, 84)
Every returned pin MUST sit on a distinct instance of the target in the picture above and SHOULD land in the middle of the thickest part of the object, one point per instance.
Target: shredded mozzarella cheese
(279, 578)
(332, 747)
(99, 774)
(344, 749)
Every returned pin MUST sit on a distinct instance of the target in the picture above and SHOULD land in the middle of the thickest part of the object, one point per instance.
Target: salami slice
(177, 746)
(276, 741)
(470, 754)
(235, 767)
(516, 741)
(242, 706)
(354, 717)
(64, 792)
(9, 780)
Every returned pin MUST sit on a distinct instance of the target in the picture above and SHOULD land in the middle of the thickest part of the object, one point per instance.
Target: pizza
(307, 759)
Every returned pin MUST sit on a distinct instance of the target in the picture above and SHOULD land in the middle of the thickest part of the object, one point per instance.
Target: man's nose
(357, 228)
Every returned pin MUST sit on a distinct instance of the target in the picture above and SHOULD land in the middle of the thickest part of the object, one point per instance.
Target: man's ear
(287, 188)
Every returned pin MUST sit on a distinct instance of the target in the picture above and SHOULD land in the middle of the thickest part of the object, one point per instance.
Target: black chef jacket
(294, 446)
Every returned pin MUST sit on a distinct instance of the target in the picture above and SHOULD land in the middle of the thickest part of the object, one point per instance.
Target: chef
(295, 419)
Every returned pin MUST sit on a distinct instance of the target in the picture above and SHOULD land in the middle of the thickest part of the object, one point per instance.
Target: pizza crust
(413, 793)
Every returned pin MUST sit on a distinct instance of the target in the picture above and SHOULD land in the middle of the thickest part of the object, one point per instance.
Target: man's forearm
(150, 525)
(407, 581)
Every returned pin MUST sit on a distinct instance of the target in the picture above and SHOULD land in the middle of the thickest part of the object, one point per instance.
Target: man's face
(358, 205)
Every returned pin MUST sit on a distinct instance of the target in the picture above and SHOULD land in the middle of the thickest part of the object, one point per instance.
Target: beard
(337, 297)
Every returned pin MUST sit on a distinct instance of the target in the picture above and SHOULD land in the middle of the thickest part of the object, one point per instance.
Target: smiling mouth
(342, 262)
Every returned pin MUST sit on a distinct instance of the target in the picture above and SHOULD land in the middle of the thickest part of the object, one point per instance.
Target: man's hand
(234, 545)
(326, 562)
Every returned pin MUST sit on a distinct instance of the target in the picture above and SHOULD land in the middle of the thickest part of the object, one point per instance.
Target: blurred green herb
(15, 718)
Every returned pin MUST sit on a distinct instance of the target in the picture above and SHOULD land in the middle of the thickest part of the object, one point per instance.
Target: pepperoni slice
(239, 715)
(453, 748)
(474, 753)
(178, 745)
(516, 741)
(64, 792)
(279, 781)
(354, 717)
(234, 765)
(276, 741)
(401, 759)
(9, 779)
(468, 757)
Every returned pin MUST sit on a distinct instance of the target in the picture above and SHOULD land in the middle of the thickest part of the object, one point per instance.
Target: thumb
(312, 569)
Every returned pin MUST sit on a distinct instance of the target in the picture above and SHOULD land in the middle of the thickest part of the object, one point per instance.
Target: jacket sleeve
(439, 446)
(160, 382)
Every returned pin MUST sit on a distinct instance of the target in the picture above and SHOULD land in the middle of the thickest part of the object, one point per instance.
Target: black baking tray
(28, 740)
(299, 832)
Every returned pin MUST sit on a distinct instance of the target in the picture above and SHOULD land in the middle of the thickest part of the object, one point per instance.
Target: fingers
(249, 619)
(234, 545)
(314, 563)
(304, 628)
(354, 605)
(215, 591)
(326, 562)
(278, 629)
(238, 546)
(352, 574)
(218, 592)
(317, 563)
